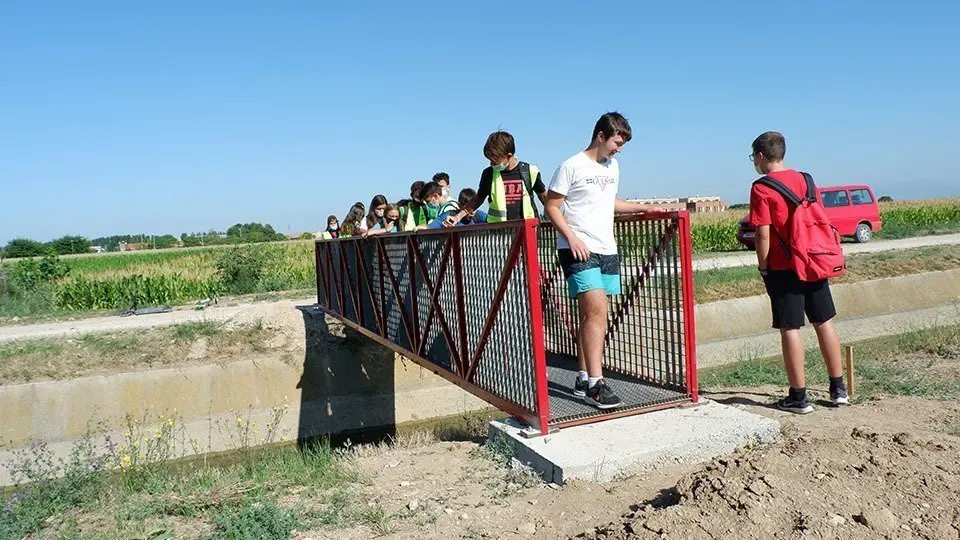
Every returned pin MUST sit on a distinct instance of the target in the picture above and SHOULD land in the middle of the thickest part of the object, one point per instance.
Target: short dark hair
(611, 124)
(332, 218)
(771, 144)
(499, 145)
(415, 189)
(429, 190)
(441, 176)
(466, 195)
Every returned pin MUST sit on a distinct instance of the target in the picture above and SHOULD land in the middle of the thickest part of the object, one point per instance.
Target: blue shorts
(597, 272)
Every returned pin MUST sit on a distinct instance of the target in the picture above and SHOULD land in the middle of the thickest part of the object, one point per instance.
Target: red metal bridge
(487, 308)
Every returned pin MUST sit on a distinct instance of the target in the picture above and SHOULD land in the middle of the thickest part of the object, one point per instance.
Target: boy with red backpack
(797, 252)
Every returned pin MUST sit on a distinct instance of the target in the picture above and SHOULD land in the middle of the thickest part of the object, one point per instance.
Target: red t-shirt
(767, 207)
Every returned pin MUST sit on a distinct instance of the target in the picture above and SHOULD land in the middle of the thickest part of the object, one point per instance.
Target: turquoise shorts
(597, 272)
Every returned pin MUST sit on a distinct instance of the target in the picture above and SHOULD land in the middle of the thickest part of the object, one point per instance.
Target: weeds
(257, 521)
(917, 363)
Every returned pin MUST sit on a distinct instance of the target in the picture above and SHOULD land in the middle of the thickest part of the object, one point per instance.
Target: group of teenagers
(581, 202)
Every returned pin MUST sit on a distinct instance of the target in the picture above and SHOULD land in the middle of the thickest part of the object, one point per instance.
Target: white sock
(592, 381)
(582, 376)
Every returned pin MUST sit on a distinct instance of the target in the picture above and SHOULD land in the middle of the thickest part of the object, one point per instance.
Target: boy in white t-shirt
(581, 203)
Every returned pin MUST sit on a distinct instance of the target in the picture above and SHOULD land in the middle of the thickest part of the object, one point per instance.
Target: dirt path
(884, 469)
(245, 312)
(748, 258)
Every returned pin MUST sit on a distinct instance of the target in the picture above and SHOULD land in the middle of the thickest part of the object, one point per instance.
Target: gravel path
(749, 258)
(244, 312)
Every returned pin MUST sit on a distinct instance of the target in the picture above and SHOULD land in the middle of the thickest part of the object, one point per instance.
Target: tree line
(240, 233)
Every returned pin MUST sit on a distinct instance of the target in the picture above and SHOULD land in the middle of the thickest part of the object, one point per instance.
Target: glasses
(750, 157)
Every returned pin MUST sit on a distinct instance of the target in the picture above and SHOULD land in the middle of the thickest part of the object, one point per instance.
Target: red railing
(479, 325)
(487, 308)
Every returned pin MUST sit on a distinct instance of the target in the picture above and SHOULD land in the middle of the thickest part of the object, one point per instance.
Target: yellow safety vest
(498, 194)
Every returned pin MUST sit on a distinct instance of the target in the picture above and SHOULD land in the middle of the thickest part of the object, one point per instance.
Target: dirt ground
(888, 468)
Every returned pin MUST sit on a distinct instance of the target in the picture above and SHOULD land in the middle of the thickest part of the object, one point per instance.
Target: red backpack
(813, 245)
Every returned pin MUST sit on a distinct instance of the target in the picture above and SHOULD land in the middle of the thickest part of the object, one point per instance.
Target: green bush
(258, 521)
(241, 268)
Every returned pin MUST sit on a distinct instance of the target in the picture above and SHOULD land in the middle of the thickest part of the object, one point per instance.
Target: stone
(758, 487)
(882, 521)
(528, 529)
(413, 505)
(836, 520)
(404, 484)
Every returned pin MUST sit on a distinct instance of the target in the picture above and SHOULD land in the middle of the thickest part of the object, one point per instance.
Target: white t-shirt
(591, 192)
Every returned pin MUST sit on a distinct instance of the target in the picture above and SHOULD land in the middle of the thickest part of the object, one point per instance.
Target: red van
(852, 209)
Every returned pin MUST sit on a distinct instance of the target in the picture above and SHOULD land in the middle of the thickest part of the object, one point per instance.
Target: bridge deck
(565, 408)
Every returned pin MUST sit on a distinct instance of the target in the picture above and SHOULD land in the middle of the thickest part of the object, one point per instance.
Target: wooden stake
(850, 370)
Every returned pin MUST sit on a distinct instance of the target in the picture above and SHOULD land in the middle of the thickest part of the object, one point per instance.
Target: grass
(243, 500)
(921, 363)
(65, 358)
(726, 283)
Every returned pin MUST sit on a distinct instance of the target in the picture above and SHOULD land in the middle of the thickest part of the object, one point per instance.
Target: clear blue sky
(116, 117)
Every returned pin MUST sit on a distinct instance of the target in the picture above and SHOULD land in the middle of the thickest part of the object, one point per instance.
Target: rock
(820, 476)
(836, 520)
(464, 516)
(882, 521)
(758, 487)
(413, 505)
(533, 502)
(404, 484)
(528, 529)
(448, 511)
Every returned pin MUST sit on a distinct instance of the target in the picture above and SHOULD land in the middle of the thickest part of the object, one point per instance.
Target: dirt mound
(864, 485)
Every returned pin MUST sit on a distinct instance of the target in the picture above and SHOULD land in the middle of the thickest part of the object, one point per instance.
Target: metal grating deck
(565, 407)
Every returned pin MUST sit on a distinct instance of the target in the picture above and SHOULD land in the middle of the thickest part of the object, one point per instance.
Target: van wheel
(863, 233)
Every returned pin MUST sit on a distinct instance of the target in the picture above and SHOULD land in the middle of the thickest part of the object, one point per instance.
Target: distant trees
(885, 198)
(23, 247)
(240, 233)
(245, 233)
(68, 245)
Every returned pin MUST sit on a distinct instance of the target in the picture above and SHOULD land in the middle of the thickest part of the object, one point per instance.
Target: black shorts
(790, 298)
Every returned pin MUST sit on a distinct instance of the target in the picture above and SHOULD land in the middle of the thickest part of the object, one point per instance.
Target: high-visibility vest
(415, 214)
(498, 194)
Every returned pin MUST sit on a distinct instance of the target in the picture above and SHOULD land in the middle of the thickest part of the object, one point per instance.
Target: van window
(860, 196)
(835, 198)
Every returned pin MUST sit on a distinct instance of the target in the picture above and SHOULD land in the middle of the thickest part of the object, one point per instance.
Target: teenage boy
(437, 204)
(443, 179)
(789, 297)
(509, 184)
(412, 211)
(581, 203)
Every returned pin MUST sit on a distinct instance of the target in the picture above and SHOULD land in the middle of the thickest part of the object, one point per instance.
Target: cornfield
(172, 277)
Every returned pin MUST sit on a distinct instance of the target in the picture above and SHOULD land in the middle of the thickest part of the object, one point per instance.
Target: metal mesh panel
(645, 337)
(491, 347)
(505, 367)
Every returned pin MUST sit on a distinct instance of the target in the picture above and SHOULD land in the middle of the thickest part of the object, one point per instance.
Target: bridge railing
(463, 302)
(487, 308)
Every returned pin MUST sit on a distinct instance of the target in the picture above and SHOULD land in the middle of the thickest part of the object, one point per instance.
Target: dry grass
(92, 354)
(724, 284)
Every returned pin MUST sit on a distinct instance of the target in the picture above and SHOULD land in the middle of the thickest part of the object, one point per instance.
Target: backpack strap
(811, 187)
(783, 190)
(525, 175)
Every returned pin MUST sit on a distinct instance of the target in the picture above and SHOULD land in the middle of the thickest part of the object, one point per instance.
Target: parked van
(852, 209)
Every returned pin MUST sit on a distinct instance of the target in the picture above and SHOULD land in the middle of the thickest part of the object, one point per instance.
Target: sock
(798, 393)
(592, 381)
(582, 376)
(836, 382)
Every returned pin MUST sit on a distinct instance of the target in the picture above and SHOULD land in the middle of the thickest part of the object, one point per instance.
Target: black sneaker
(795, 405)
(601, 396)
(580, 387)
(839, 396)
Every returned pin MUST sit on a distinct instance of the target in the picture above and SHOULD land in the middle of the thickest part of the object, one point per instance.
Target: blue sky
(175, 116)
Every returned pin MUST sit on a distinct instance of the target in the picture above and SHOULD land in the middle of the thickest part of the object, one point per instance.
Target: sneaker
(580, 387)
(839, 396)
(794, 405)
(601, 396)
